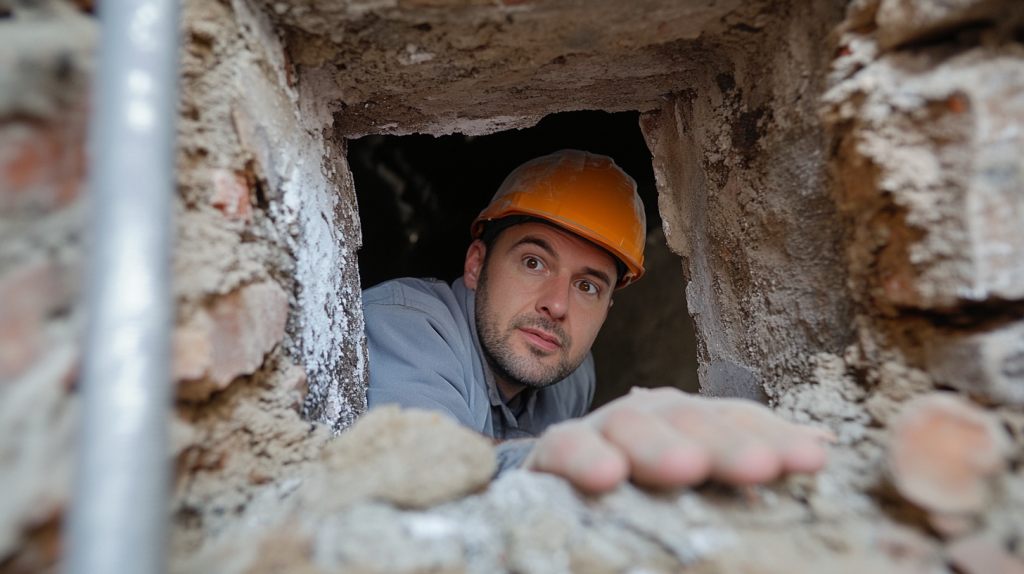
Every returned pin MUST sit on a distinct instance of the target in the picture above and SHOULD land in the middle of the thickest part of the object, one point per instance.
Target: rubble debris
(943, 451)
(411, 458)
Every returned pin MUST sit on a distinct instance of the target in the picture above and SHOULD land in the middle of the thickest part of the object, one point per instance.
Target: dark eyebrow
(595, 273)
(599, 275)
(530, 240)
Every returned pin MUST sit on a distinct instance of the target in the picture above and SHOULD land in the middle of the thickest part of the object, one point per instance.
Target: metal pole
(118, 517)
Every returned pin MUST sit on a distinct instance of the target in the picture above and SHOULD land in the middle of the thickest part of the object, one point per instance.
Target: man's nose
(554, 298)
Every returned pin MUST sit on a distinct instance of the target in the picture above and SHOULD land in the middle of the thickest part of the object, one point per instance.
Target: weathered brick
(228, 339)
(231, 195)
(988, 364)
(942, 451)
(29, 294)
(42, 163)
(192, 348)
(931, 170)
(258, 149)
(978, 555)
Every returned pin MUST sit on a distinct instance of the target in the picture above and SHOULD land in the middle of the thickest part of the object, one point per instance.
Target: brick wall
(46, 56)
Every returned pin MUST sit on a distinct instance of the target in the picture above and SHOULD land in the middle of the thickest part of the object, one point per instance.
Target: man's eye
(532, 263)
(587, 287)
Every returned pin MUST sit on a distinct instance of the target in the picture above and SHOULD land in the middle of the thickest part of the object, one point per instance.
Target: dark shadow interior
(418, 195)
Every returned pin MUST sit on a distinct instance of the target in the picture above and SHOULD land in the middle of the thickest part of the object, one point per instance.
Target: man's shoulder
(431, 296)
(407, 291)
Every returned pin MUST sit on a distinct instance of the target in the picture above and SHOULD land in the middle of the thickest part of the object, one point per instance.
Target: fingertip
(806, 457)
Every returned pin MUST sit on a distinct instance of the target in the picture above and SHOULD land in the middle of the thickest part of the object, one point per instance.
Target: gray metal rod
(118, 517)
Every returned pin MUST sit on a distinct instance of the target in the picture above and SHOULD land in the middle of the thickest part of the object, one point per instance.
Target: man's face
(542, 295)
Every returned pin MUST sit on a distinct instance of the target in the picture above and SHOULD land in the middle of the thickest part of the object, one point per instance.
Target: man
(506, 349)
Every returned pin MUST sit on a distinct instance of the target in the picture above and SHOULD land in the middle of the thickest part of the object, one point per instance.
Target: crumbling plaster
(243, 114)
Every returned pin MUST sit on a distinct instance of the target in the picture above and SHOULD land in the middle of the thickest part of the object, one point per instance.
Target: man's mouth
(542, 339)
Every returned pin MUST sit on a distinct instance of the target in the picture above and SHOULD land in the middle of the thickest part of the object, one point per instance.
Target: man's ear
(474, 264)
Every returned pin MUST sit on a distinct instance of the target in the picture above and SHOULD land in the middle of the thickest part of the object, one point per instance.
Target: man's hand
(665, 438)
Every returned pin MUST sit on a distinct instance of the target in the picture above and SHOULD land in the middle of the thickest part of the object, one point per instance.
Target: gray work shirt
(424, 353)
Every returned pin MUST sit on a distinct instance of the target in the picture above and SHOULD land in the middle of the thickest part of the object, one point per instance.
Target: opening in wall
(418, 195)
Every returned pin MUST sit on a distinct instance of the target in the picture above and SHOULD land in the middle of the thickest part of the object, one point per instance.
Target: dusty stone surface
(245, 441)
(745, 201)
(977, 555)
(527, 522)
(402, 67)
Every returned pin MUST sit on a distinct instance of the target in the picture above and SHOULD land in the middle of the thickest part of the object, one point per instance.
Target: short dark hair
(494, 227)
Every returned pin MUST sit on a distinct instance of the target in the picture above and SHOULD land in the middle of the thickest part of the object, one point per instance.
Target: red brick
(231, 195)
(977, 555)
(29, 294)
(228, 339)
(42, 164)
(943, 450)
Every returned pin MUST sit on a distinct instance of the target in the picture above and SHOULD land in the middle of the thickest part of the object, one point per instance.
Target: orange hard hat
(582, 192)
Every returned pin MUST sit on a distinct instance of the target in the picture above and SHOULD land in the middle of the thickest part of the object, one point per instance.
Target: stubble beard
(496, 342)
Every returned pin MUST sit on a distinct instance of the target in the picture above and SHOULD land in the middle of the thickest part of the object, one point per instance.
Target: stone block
(987, 364)
(903, 21)
(942, 451)
(411, 458)
(29, 293)
(931, 170)
(228, 339)
(42, 164)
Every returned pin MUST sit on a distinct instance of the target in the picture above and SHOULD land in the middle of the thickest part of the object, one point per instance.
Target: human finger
(801, 447)
(658, 455)
(738, 455)
(578, 453)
